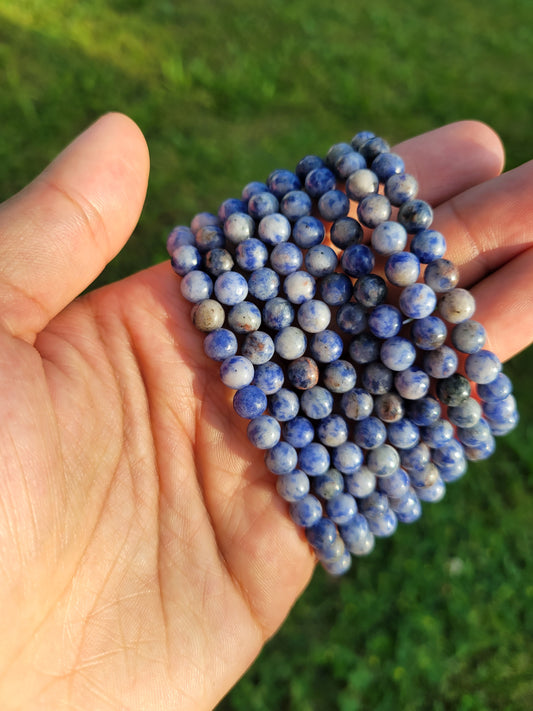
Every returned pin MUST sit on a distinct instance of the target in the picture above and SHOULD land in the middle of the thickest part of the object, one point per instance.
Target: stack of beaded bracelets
(366, 401)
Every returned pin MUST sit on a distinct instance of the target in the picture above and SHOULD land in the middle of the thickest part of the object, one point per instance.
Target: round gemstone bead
(208, 315)
(196, 286)
(402, 269)
(278, 313)
(314, 459)
(306, 511)
(418, 301)
(283, 405)
(299, 432)
(294, 486)
(244, 317)
(231, 288)
(357, 260)
(290, 343)
(249, 402)
(328, 485)
(303, 373)
(238, 227)
(263, 284)
(441, 275)
(236, 372)
(482, 367)
(415, 215)
(220, 344)
(281, 458)
(326, 346)
(317, 402)
(262, 204)
(339, 376)
(299, 287)
(258, 347)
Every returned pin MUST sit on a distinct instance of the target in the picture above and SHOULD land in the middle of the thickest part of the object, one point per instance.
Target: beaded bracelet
(351, 350)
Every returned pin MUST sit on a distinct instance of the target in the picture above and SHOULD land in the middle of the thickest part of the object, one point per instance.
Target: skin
(145, 556)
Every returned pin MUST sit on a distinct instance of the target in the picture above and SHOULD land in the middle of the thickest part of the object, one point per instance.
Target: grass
(440, 617)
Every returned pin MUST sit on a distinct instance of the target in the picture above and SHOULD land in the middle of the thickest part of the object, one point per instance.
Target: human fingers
(59, 232)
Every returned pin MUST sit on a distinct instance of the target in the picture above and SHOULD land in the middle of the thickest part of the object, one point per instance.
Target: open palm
(145, 555)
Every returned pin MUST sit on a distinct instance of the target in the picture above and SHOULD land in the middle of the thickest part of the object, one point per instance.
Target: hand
(145, 554)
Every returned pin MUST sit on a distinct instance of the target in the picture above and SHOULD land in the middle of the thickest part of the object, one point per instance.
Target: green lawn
(441, 616)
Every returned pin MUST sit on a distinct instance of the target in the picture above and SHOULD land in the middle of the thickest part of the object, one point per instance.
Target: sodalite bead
(342, 508)
(306, 511)
(364, 348)
(282, 181)
(317, 402)
(403, 434)
(251, 254)
(326, 346)
(397, 353)
(258, 347)
(281, 458)
(274, 229)
(286, 258)
(465, 415)
(298, 432)
(319, 181)
(320, 260)
(252, 188)
(263, 284)
(441, 275)
(347, 457)
(383, 460)
(401, 188)
(295, 204)
(362, 483)
(396, 485)
(307, 232)
(373, 147)
(269, 377)
(204, 219)
(180, 235)
(244, 317)
(428, 245)
(229, 206)
(294, 486)
(278, 313)
(307, 164)
(441, 362)
(262, 204)
(369, 433)
(303, 373)
(332, 430)
(209, 237)
(424, 411)
(412, 383)
(373, 210)
(314, 316)
(348, 163)
(357, 536)
(389, 407)
(328, 485)
(196, 286)
(335, 289)
(377, 378)
(346, 231)
(339, 376)
(351, 318)
(429, 333)
(208, 315)
(385, 321)
(357, 260)
(231, 288)
(236, 372)
(217, 261)
(290, 343)
(402, 269)
(249, 402)
(333, 205)
(482, 367)
(283, 405)
(299, 287)
(387, 164)
(388, 238)
(239, 226)
(453, 390)
(185, 258)
(220, 344)
(468, 336)
(497, 389)
(418, 301)
(370, 290)
(314, 459)
(415, 215)
(361, 183)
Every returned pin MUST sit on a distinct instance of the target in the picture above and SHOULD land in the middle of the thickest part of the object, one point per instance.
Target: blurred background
(440, 617)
